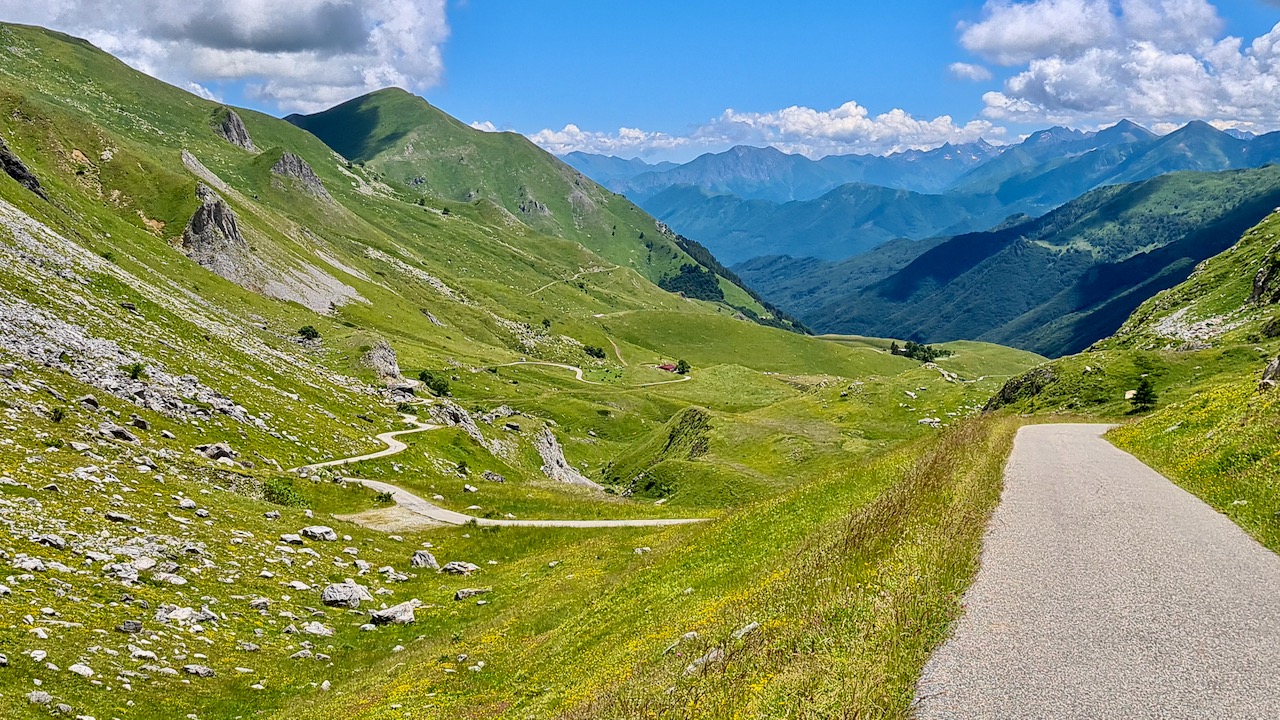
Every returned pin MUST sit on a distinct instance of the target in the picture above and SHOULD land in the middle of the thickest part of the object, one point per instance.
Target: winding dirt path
(413, 512)
(577, 373)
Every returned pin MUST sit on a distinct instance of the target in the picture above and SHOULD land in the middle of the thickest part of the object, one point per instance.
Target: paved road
(431, 514)
(1108, 592)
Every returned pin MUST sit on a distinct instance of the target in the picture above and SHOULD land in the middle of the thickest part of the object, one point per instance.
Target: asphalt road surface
(1108, 592)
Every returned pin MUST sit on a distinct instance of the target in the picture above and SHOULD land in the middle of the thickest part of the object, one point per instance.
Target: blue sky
(670, 80)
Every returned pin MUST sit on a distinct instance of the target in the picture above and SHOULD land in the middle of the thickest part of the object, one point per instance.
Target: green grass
(1221, 445)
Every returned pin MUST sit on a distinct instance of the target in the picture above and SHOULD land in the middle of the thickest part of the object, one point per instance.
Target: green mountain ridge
(1046, 170)
(1054, 285)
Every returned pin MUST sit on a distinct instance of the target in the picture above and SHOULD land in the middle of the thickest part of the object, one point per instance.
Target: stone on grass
(319, 532)
(422, 558)
(347, 594)
(459, 568)
(401, 614)
(198, 670)
(465, 593)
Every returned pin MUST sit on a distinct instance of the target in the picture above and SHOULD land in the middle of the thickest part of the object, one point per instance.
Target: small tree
(309, 332)
(546, 324)
(594, 351)
(1144, 398)
(683, 367)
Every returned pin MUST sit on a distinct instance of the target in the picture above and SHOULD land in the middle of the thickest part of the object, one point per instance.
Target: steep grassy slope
(148, 578)
(411, 143)
(1052, 285)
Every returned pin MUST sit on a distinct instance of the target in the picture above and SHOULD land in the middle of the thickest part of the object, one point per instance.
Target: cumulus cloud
(969, 71)
(850, 128)
(303, 55)
(1161, 62)
(626, 141)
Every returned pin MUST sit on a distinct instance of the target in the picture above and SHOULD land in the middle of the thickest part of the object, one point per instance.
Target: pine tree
(1145, 396)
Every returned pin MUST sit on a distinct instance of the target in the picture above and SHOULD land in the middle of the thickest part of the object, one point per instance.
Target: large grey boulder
(1270, 376)
(323, 533)
(554, 464)
(381, 358)
(292, 166)
(231, 128)
(212, 237)
(422, 558)
(401, 614)
(347, 594)
(13, 166)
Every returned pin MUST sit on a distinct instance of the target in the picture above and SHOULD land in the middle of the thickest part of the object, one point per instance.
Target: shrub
(135, 371)
(463, 468)
(593, 351)
(437, 383)
(58, 414)
(309, 332)
(281, 491)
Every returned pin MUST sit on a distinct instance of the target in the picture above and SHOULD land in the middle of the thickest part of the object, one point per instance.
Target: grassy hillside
(150, 578)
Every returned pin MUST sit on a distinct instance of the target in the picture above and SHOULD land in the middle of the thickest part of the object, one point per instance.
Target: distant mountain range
(752, 202)
(1053, 285)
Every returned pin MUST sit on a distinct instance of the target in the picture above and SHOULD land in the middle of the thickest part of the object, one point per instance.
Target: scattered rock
(459, 568)
(492, 476)
(81, 670)
(715, 656)
(401, 614)
(317, 628)
(322, 533)
(130, 626)
(115, 432)
(88, 401)
(466, 593)
(422, 558)
(745, 631)
(1270, 376)
(198, 671)
(347, 594)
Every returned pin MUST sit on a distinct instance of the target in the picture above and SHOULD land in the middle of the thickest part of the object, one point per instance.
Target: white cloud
(969, 71)
(624, 142)
(1159, 62)
(302, 55)
(847, 129)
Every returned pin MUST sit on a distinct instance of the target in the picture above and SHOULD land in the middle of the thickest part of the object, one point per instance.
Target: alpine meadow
(320, 400)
